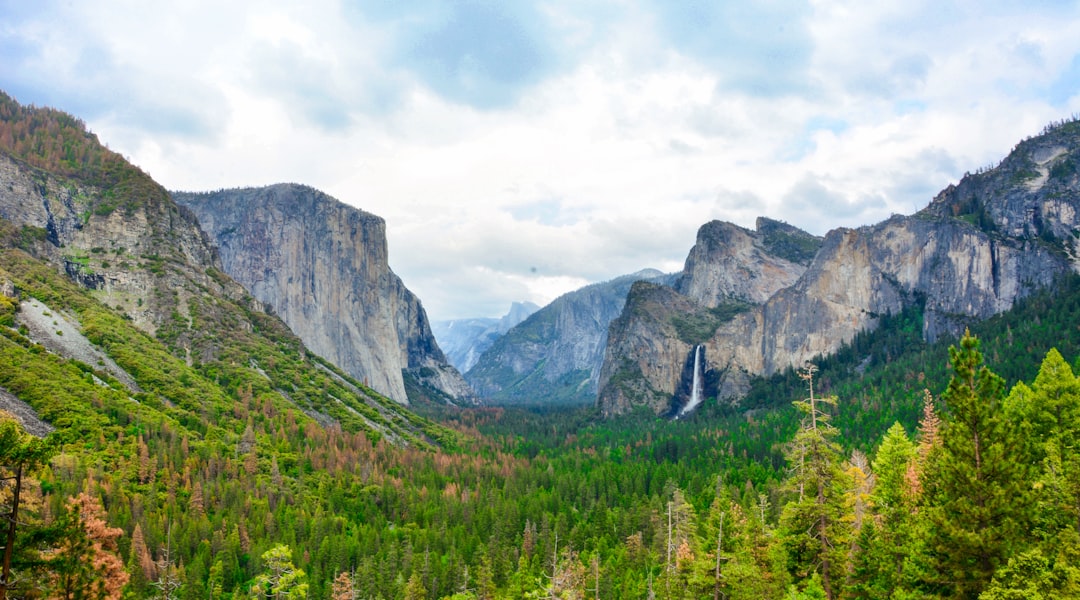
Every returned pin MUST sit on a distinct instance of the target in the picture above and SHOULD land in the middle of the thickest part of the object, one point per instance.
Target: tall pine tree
(978, 503)
(814, 534)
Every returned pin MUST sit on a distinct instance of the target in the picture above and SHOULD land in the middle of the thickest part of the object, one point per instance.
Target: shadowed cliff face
(322, 267)
(972, 253)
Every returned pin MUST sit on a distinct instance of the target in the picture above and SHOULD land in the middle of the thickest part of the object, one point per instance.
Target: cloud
(810, 198)
(303, 83)
(480, 53)
(757, 48)
(517, 148)
(1067, 84)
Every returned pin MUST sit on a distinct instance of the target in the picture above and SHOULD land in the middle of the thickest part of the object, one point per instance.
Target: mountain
(102, 270)
(554, 356)
(651, 354)
(464, 340)
(322, 267)
(978, 247)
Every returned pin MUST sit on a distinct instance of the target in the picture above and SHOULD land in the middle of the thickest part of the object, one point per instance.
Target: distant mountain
(979, 246)
(323, 268)
(554, 356)
(464, 340)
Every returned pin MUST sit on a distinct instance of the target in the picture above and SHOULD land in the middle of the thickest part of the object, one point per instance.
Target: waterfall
(698, 384)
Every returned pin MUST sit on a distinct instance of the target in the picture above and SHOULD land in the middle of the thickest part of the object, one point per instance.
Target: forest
(977, 496)
(891, 469)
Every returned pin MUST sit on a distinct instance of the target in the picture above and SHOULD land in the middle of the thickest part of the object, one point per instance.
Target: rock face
(973, 252)
(322, 267)
(142, 258)
(651, 346)
(464, 340)
(555, 355)
(731, 263)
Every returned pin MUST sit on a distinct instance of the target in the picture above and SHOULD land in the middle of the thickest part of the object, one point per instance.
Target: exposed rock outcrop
(973, 252)
(649, 357)
(322, 266)
(731, 263)
(142, 257)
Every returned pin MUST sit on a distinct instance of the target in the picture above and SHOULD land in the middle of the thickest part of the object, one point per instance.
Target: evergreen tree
(977, 502)
(1049, 415)
(20, 455)
(85, 564)
(884, 546)
(814, 536)
(280, 580)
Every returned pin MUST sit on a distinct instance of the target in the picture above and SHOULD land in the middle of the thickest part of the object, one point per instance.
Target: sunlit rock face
(652, 347)
(972, 253)
(322, 267)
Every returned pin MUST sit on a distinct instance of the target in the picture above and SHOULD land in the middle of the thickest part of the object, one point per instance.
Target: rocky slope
(555, 355)
(120, 236)
(322, 266)
(464, 340)
(111, 284)
(978, 247)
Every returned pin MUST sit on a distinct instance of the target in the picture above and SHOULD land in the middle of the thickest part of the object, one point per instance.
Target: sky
(520, 150)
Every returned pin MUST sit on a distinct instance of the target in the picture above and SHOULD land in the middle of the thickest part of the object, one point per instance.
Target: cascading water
(697, 384)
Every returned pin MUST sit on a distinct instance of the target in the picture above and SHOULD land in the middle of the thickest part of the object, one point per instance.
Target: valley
(247, 402)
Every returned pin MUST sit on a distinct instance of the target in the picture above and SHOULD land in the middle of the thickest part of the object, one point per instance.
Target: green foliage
(795, 246)
(978, 494)
(699, 327)
(256, 468)
(280, 580)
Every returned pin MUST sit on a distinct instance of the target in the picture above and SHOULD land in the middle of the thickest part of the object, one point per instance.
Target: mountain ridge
(465, 340)
(979, 245)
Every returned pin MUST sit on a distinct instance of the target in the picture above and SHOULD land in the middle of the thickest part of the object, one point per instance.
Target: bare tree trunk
(9, 548)
(719, 545)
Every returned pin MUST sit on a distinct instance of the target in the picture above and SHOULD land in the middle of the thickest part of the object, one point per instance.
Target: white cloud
(519, 151)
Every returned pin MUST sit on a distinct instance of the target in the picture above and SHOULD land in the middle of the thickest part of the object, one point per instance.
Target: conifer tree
(85, 564)
(812, 520)
(1049, 414)
(20, 454)
(977, 501)
(280, 580)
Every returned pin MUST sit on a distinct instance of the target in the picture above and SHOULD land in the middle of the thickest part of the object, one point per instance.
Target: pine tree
(1049, 413)
(414, 589)
(20, 455)
(86, 564)
(280, 580)
(814, 535)
(977, 501)
(886, 547)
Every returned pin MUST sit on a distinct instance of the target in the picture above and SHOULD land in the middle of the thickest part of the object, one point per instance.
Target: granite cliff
(135, 249)
(555, 355)
(649, 359)
(322, 267)
(979, 246)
